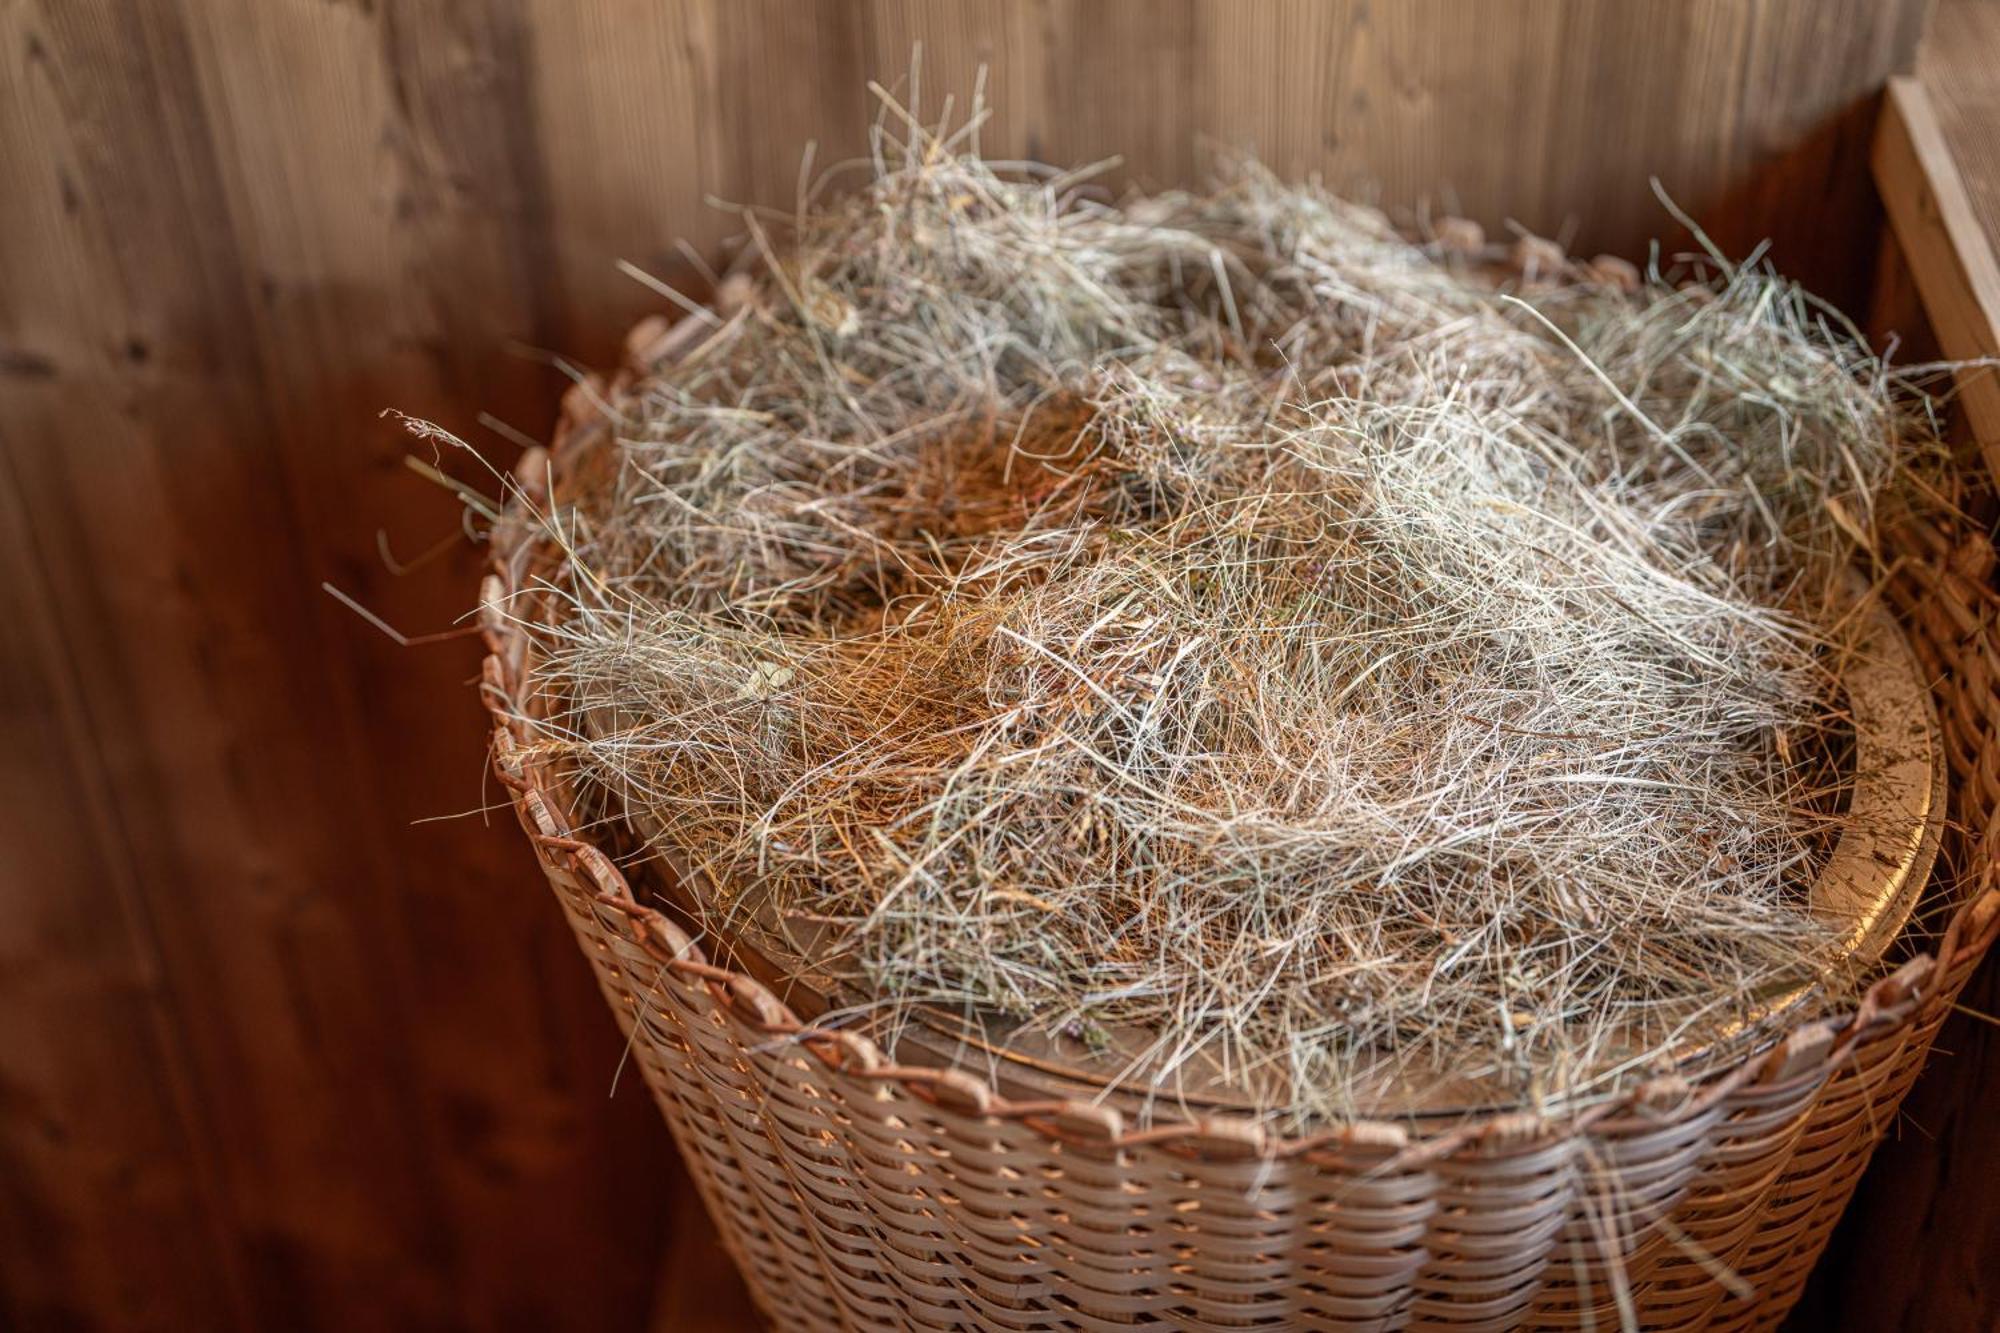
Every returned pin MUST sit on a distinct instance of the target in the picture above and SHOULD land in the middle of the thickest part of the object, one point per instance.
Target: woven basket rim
(1806, 1051)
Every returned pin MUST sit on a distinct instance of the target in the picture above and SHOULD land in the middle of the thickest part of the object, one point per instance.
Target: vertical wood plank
(629, 140)
(440, 110)
(98, 1125)
(175, 568)
(1017, 45)
(109, 1207)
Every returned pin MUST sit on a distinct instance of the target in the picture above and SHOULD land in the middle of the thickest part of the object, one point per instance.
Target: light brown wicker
(858, 1193)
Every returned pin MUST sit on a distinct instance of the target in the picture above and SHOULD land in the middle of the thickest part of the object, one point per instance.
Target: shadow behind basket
(854, 1192)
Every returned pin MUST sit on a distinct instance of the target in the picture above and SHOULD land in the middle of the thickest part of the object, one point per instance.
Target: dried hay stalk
(1219, 615)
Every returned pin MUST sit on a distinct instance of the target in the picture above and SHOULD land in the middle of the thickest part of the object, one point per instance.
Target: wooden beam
(1947, 249)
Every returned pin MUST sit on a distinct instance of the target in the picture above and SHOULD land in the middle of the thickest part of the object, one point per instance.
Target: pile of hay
(1219, 617)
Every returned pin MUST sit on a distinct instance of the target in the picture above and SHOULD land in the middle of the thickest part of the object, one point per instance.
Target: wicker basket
(858, 1193)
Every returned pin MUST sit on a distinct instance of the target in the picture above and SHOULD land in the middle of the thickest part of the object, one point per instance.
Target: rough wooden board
(391, 294)
(1959, 68)
(1751, 114)
(163, 533)
(1946, 244)
(208, 299)
(107, 1182)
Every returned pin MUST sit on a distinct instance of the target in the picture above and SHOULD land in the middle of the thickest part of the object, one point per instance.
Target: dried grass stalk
(1220, 615)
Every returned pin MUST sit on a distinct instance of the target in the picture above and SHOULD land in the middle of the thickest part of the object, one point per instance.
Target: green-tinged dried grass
(1218, 616)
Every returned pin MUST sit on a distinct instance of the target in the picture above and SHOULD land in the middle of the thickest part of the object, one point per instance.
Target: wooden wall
(272, 1052)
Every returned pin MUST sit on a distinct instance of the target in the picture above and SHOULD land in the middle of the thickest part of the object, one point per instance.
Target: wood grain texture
(246, 232)
(271, 1054)
(104, 1182)
(1956, 67)
(1945, 246)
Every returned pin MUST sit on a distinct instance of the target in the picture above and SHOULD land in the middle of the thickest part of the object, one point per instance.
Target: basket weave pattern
(857, 1193)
